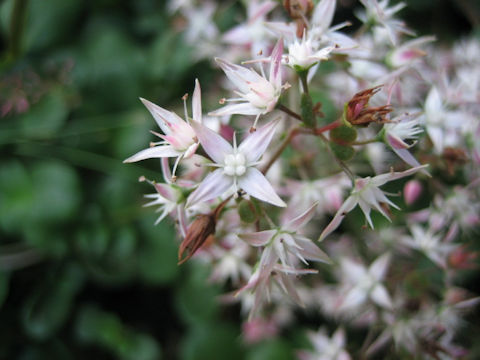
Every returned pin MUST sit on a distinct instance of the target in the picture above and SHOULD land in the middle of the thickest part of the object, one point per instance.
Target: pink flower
(236, 166)
(367, 195)
(179, 139)
(257, 95)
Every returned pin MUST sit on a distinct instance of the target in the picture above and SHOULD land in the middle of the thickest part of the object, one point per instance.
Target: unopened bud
(342, 152)
(308, 115)
(412, 191)
(197, 234)
(343, 135)
(357, 112)
(248, 211)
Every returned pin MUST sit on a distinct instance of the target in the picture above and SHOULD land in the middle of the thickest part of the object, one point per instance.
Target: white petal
(197, 102)
(257, 142)
(166, 191)
(380, 296)
(215, 184)
(154, 152)
(301, 219)
(379, 180)
(348, 205)
(161, 115)
(260, 238)
(255, 184)
(239, 75)
(240, 109)
(379, 266)
(310, 251)
(214, 145)
(275, 77)
(354, 298)
(323, 14)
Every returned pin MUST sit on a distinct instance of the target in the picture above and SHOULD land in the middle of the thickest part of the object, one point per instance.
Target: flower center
(235, 164)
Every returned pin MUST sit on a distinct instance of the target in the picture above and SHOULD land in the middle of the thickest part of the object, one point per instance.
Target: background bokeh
(84, 273)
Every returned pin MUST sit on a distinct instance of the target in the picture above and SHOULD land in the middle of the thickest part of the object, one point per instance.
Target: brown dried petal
(197, 234)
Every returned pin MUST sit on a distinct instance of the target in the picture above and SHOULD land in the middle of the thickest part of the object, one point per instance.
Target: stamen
(184, 98)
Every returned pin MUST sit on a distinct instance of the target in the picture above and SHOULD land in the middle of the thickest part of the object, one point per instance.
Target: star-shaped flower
(179, 139)
(236, 166)
(367, 195)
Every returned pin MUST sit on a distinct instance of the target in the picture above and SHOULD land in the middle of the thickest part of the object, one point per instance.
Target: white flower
(305, 53)
(366, 283)
(367, 195)
(236, 166)
(179, 139)
(326, 348)
(258, 95)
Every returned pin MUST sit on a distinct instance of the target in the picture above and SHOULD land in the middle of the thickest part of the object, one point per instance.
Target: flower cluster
(255, 209)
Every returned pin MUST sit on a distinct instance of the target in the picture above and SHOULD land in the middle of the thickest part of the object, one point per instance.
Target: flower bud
(248, 211)
(357, 112)
(412, 191)
(343, 135)
(197, 234)
(342, 152)
(308, 115)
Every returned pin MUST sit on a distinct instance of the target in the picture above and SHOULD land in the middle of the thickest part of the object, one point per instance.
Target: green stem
(17, 27)
(293, 132)
(289, 112)
(364, 142)
(340, 163)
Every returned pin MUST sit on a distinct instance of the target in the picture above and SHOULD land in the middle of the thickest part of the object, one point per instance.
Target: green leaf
(16, 196)
(158, 256)
(196, 298)
(45, 118)
(56, 192)
(212, 342)
(48, 307)
(106, 330)
(271, 350)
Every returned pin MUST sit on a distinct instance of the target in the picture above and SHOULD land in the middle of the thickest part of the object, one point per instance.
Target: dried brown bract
(358, 112)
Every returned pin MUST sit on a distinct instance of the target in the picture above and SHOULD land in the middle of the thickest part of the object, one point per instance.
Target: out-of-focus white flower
(428, 243)
(252, 32)
(258, 95)
(367, 283)
(401, 128)
(326, 348)
(201, 26)
(409, 51)
(179, 139)
(235, 166)
(286, 241)
(367, 195)
(378, 13)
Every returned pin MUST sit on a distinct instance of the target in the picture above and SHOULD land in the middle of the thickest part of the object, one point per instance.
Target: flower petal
(163, 151)
(215, 184)
(255, 184)
(214, 145)
(380, 296)
(348, 205)
(162, 116)
(257, 142)
(166, 191)
(275, 77)
(240, 109)
(260, 238)
(197, 102)
(239, 75)
(379, 266)
(310, 251)
(301, 219)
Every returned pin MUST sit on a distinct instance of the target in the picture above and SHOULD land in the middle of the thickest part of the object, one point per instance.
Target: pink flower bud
(412, 191)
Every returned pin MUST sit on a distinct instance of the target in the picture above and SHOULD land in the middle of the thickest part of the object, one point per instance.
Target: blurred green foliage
(83, 271)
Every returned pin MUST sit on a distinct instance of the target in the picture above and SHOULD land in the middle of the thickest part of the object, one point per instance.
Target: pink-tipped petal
(153, 152)
(260, 238)
(310, 251)
(162, 116)
(301, 219)
(255, 184)
(348, 205)
(412, 191)
(256, 143)
(197, 102)
(214, 145)
(166, 191)
(276, 56)
(215, 184)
